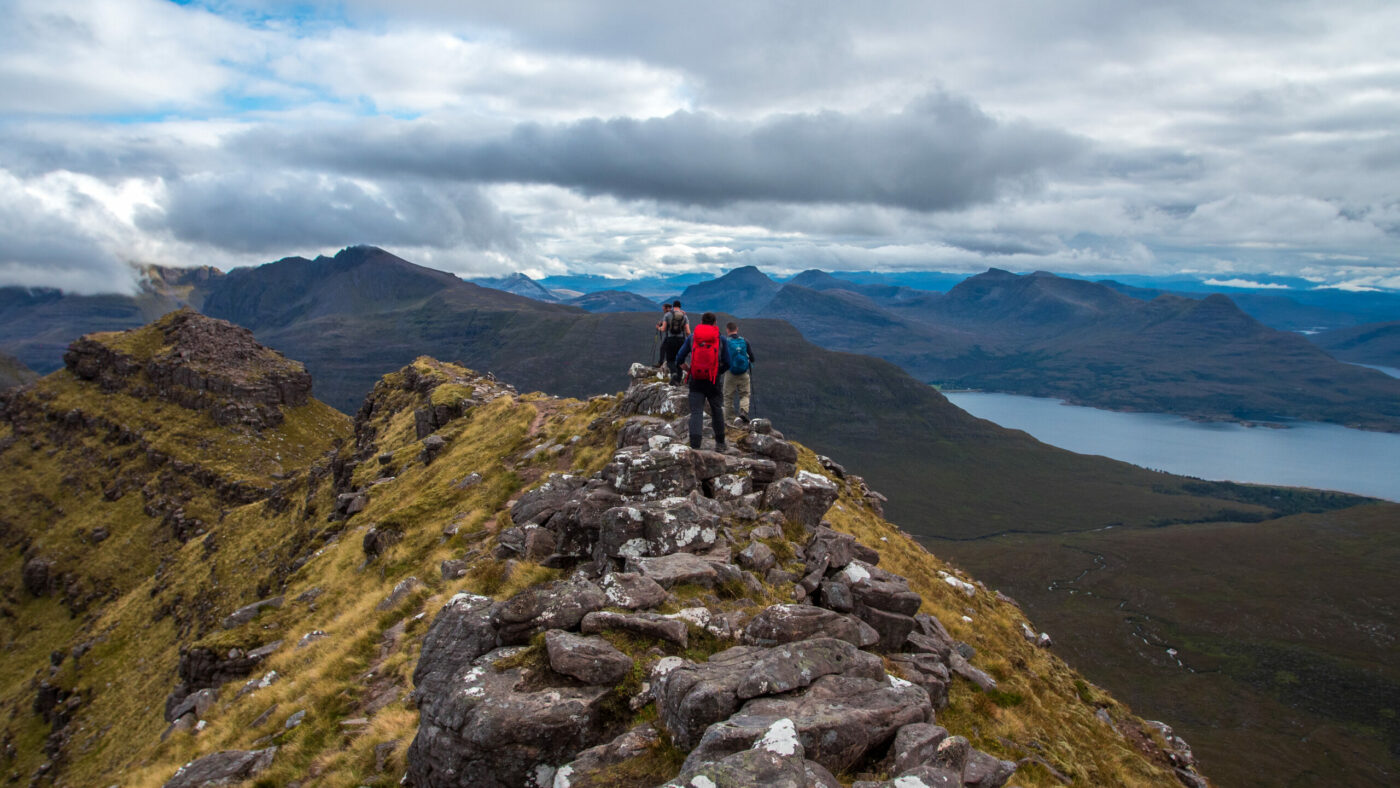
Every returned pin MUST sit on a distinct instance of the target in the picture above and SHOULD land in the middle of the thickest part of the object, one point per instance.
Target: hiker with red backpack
(708, 355)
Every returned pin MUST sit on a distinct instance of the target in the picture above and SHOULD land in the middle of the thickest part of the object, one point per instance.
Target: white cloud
(1245, 284)
(92, 57)
(420, 70)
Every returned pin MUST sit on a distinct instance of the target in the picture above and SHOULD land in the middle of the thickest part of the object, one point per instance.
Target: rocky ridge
(846, 677)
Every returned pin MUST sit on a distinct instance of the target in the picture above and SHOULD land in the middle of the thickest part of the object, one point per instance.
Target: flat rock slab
(796, 665)
(632, 591)
(650, 625)
(839, 720)
(222, 768)
(591, 660)
(675, 569)
(788, 623)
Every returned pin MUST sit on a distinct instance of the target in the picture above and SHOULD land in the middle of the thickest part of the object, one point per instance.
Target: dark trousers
(702, 392)
(670, 346)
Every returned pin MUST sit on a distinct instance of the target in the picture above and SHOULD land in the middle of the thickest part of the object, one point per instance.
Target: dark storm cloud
(250, 212)
(939, 153)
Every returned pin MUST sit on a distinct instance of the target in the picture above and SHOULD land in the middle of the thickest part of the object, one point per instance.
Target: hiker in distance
(661, 334)
(736, 384)
(677, 329)
(708, 357)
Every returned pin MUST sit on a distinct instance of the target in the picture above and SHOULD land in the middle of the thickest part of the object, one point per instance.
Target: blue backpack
(738, 355)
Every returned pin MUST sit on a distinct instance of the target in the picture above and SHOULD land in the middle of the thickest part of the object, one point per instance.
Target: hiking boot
(744, 417)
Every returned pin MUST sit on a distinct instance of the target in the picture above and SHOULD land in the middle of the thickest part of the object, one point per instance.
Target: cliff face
(488, 588)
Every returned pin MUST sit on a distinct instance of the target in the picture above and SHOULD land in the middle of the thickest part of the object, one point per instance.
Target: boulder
(249, 612)
(377, 540)
(644, 472)
(577, 523)
(230, 767)
(783, 495)
(731, 487)
(402, 591)
(432, 447)
(768, 446)
(591, 660)
(490, 731)
(654, 399)
(787, 623)
(632, 591)
(893, 628)
(558, 605)
(818, 494)
(930, 636)
(757, 557)
(839, 720)
(796, 665)
(982, 770)
(776, 760)
(915, 745)
(586, 769)
(670, 570)
(708, 464)
(537, 505)
(691, 696)
(649, 625)
(350, 503)
(837, 596)
(198, 703)
(658, 528)
(927, 671)
(961, 667)
(840, 549)
(460, 633)
(530, 542)
(36, 576)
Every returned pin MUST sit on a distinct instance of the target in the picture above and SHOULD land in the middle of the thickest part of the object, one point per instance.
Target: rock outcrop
(196, 362)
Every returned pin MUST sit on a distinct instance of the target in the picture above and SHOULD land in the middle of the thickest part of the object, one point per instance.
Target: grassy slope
(368, 652)
(140, 593)
(1288, 628)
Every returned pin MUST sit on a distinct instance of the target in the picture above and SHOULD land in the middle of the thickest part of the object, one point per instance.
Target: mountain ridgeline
(213, 579)
(1085, 342)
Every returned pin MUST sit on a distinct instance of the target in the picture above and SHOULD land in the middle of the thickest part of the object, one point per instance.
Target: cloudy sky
(1227, 138)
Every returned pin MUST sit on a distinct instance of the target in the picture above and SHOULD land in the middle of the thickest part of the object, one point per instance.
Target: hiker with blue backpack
(708, 356)
(736, 383)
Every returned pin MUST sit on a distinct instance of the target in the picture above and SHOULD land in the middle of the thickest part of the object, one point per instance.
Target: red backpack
(704, 353)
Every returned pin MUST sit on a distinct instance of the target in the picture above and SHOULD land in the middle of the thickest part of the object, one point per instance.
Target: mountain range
(1084, 342)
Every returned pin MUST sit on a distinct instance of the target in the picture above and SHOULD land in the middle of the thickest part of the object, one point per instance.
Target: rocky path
(844, 676)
